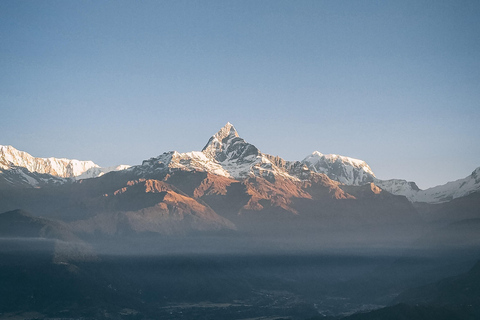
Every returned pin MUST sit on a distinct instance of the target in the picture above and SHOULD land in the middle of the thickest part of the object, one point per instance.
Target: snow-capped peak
(438, 194)
(220, 142)
(225, 154)
(13, 161)
(340, 168)
(64, 168)
(226, 145)
(227, 130)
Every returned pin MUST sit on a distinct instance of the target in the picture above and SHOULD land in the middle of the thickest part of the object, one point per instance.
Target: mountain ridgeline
(228, 186)
(227, 154)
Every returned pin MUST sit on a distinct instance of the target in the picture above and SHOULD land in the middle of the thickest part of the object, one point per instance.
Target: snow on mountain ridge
(99, 171)
(350, 171)
(34, 171)
(215, 144)
(60, 167)
(343, 169)
(226, 144)
(193, 160)
(225, 154)
(438, 194)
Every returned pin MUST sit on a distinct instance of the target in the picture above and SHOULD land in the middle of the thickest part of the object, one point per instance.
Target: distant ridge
(19, 168)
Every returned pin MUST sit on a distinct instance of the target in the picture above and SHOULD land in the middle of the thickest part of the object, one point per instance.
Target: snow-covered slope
(63, 168)
(225, 154)
(189, 161)
(98, 171)
(345, 170)
(442, 193)
(21, 177)
(20, 168)
(356, 172)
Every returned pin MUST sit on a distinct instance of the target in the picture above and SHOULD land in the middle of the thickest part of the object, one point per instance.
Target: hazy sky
(395, 83)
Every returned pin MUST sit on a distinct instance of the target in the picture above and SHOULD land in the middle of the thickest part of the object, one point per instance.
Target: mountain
(225, 154)
(18, 168)
(454, 292)
(22, 232)
(345, 170)
(147, 206)
(63, 168)
(20, 177)
(19, 223)
(118, 204)
(404, 312)
(453, 298)
(354, 172)
(443, 193)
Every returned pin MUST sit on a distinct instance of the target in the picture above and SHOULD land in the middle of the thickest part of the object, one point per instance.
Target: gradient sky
(394, 83)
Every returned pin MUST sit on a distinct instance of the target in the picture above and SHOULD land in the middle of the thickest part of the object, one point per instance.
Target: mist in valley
(276, 268)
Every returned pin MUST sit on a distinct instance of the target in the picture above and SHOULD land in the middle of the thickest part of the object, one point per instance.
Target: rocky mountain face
(225, 154)
(148, 206)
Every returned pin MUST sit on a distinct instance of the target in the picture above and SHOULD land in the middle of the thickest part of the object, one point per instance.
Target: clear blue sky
(395, 83)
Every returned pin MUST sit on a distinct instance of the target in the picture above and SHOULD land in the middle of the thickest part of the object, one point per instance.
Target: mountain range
(228, 185)
(20, 169)
(226, 154)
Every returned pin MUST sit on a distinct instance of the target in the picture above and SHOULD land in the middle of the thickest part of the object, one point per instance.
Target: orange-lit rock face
(320, 186)
(375, 189)
(144, 185)
(212, 185)
(149, 205)
(277, 194)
